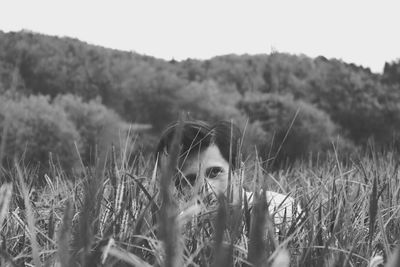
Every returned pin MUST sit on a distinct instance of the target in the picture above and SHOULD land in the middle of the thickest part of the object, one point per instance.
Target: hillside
(327, 97)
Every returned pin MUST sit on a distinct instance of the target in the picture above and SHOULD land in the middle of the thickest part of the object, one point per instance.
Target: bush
(32, 127)
(95, 123)
(209, 101)
(312, 131)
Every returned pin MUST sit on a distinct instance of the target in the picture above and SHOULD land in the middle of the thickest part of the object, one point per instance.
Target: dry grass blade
(236, 216)
(51, 225)
(7, 258)
(29, 216)
(377, 261)
(333, 206)
(282, 259)
(141, 217)
(386, 244)
(50, 183)
(141, 186)
(229, 188)
(168, 226)
(257, 247)
(89, 221)
(394, 260)
(220, 226)
(373, 210)
(247, 215)
(5, 198)
(127, 257)
(6, 125)
(285, 137)
(85, 234)
(188, 213)
(319, 228)
(113, 170)
(64, 235)
(349, 256)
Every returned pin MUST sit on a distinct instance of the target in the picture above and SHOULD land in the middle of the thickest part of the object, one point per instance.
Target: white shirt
(282, 208)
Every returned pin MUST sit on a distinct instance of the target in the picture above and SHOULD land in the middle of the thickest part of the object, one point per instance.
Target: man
(209, 157)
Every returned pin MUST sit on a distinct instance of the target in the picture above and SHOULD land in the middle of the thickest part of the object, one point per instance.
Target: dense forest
(57, 94)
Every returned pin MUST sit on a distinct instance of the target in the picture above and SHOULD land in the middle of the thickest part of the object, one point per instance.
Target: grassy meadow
(125, 212)
(70, 198)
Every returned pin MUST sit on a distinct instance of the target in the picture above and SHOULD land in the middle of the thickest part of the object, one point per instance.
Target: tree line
(322, 101)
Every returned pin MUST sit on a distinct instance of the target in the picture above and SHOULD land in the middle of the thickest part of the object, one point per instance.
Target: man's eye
(213, 172)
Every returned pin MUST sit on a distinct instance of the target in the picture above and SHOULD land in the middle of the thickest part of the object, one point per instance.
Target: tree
(291, 129)
(391, 72)
(151, 95)
(34, 129)
(91, 120)
(209, 101)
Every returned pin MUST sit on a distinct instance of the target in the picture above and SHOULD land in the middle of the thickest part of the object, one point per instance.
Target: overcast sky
(360, 31)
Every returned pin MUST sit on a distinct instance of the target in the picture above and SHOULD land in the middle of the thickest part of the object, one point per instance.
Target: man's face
(208, 166)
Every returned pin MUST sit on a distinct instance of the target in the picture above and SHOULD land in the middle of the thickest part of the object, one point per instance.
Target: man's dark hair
(198, 135)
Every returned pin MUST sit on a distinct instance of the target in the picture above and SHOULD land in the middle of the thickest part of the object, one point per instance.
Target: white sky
(360, 31)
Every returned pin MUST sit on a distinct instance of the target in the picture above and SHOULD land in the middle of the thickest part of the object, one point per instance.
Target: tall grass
(127, 213)
(168, 224)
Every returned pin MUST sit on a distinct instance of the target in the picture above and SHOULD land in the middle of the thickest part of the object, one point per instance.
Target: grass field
(117, 214)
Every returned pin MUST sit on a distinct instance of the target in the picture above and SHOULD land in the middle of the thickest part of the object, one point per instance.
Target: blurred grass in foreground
(117, 214)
